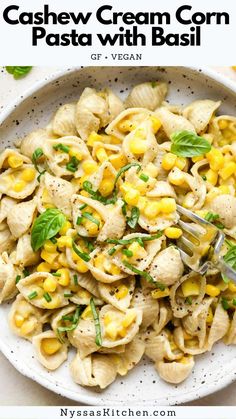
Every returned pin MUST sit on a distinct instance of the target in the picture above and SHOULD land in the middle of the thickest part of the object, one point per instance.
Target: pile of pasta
(89, 231)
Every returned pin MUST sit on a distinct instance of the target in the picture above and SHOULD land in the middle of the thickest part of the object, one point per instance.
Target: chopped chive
(75, 321)
(111, 251)
(140, 241)
(47, 297)
(124, 169)
(95, 314)
(234, 301)
(82, 255)
(67, 318)
(188, 300)
(220, 226)
(75, 278)
(18, 278)
(88, 187)
(82, 207)
(26, 272)
(61, 147)
(56, 274)
(33, 295)
(132, 221)
(144, 177)
(135, 239)
(204, 177)
(53, 240)
(124, 209)
(68, 295)
(224, 303)
(127, 253)
(89, 217)
(37, 154)
(210, 216)
(145, 275)
(73, 164)
(79, 220)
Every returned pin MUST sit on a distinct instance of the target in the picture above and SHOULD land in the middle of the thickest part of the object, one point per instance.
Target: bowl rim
(46, 382)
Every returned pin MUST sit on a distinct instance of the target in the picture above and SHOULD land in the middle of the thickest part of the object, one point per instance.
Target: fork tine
(191, 215)
(187, 243)
(189, 229)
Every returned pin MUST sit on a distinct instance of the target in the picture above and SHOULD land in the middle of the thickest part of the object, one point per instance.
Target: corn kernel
(114, 269)
(232, 286)
(63, 260)
(99, 261)
(28, 327)
(64, 278)
(168, 161)
(222, 286)
(101, 154)
(87, 313)
(122, 292)
(14, 161)
(156, 124)
(142, 202)
(89, 167)
(224, 189)
(43, 267)
(84, 294)
(209, 318)
(138, 146)
(66, 226)
(180, 162)
(212, 290)
(64, 241)
(132, 197)
(55, 303)
(51, 345)
(215, 158)
(190, 287)
(129, 318)
(197, 158)
(228, 170)
(50, 247)
(74, 152)
(168, 205)
(118, 160)
(160, 294)
(137, 250)
(176, 177)
(19, 186)
(91, 227)
(28, 175)
(189, 200)
(49, 257)
(55, 265)
(151, 170)
(50, 284)
(93, 138)
(19, 320)
(111, 330)
(212, 177)
(173, 232)
(109, 317)
(106, 187)
(122, 331)
(223, 124)
(81, 266)
(126, 126)
(152, 209)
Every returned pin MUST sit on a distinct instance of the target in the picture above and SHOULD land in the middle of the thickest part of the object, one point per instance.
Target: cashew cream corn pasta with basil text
(89, 227)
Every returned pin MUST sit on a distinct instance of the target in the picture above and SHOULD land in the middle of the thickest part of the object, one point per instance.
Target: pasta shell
(83, 338)
(163, 318)
(25, 320)
(172, 123)
(101, 273)
(8, 152)
(6, 205)
(161, 189)
(115, 104)
(86, 122)
(108, 293)
(220, 325)
(175, 372)
(224, 136)
(192, 346)
(6, 239)
(53, 361)
(200, 112)
(8, 274)
(34, 140)
(63, 122)
(57, 318)
(225, 206)
(21, 217)
(60, 192)
(195, 323)
(135, 116)
(10, 177)
(142, 300)
(24, 254)
(167, 267)
(33, 283)
(230, 337)
(159, 347)
(147, 95)
(130, 358)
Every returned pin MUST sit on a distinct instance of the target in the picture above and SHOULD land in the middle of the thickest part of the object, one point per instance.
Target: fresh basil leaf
(225, 278)
(230, 257)
(18, 71)
(46, 226)
(188, 144)
(132, 221)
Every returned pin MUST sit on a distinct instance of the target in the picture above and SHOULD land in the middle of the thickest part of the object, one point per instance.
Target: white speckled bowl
(213, 370)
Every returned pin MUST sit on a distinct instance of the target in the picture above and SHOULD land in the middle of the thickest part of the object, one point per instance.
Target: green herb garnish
(145, 275)
(204, 177)
(74, 319)
(111, 251)
(124, 169)
(230, 257)
(188, 300)
(124, 209)
(75, 278)
(53, 240)
(33, 295)
(134, 239)
(26, 272)
(90, 217)
(144, 177)
(79, 220)
(84, 256)
(73, 164)
(56, 274)
(18, 278)
(88, 187)
(46, 226)
(211, 217)
(47, 297)
(132, 221)
(61, 147)
(234, 301)
(37, 154)
(95, 314)
(127, 253)
(224, 303)
(82, 207)
(188, 144)
(18, 71)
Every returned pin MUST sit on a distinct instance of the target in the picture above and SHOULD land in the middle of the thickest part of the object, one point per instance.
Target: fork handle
(225, 269)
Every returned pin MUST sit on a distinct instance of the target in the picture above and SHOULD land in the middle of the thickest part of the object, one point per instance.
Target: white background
(14, 388)
(15, 46)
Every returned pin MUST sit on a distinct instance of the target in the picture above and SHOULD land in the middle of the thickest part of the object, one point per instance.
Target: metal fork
(201, 243)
